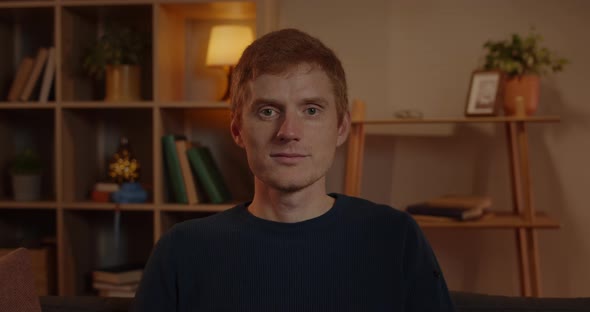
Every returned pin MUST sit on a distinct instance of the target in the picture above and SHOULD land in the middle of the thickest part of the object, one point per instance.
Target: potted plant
(116, 56)
(523, 61)
(26, 176)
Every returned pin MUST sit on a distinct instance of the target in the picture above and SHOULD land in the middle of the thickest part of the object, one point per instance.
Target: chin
(291, 185)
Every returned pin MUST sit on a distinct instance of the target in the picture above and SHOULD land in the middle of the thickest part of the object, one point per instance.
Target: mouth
(288, 158)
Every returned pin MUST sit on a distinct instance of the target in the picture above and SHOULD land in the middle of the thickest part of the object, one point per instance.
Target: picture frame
(484, 94)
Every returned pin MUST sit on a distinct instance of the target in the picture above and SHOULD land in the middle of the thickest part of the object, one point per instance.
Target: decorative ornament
(130, 192)
(123, 166)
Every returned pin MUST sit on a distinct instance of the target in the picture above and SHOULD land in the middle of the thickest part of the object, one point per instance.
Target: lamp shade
(226, 44)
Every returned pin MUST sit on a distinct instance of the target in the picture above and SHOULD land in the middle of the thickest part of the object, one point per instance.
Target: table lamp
(226, 44)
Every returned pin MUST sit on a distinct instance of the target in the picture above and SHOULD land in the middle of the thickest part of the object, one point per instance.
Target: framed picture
(484, 93)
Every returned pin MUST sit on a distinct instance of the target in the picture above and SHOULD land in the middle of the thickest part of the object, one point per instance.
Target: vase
(26, 187)
(524, 89)
(122, 83)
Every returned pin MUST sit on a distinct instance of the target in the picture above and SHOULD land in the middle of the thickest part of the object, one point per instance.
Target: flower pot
(122, 83)
(26, 187)
(527, 87)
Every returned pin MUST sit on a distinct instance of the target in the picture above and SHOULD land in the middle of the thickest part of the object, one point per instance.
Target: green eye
(312, 110)
(267, 112)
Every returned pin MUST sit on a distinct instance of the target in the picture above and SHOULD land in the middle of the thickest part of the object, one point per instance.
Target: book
(172, 165)
(40, 61)
(109, 286)
(100, 196)
(464, 201)
(121, 274)
(22, 74)
(455, 212)
(187, 174)
(48, 76)
(116, 293)
(208, 174)
(106, 187)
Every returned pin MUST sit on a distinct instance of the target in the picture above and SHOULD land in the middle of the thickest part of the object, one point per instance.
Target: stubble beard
(288, 185)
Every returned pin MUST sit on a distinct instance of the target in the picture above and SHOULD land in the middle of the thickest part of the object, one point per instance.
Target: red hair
(279, 51)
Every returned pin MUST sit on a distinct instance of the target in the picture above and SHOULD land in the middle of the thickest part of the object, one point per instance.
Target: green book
(173, 168)
(209, 175)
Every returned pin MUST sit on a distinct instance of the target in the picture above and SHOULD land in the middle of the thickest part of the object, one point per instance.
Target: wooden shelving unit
(524, 220)
(76, 132)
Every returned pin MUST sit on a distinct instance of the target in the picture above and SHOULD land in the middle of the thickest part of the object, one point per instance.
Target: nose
(291, 127)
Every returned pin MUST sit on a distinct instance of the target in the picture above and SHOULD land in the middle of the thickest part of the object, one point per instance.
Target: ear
(343, 129)
(236, 131)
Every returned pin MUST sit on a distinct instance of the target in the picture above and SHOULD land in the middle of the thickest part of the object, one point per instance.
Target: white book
(40, 60)
(106, 187)
(48, 76)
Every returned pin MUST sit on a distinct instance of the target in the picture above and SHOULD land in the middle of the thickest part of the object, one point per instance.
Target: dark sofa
(464, 302)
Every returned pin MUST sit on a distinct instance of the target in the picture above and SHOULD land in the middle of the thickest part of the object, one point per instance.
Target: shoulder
(363, 208)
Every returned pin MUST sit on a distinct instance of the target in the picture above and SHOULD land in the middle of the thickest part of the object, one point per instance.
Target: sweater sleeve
(426, 289)
(157, 290)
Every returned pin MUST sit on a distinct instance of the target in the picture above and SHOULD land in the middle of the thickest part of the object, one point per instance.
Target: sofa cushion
(18, 292)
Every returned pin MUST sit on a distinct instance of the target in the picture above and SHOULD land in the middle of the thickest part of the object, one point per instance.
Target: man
(293, 247)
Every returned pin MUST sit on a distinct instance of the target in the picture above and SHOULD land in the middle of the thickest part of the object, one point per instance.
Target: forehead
(296, 83)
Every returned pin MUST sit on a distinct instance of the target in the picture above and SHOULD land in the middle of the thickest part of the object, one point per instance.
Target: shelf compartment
(210, 128)
(89, 205)
(82, 25)
(23, 31)
(92, 136)
(26, 227)
(494, 220)
(183, 36)
(34, 229)
(22, 129)
(91, 236)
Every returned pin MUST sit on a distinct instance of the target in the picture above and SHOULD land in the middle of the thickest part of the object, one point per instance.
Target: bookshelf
(523, 219)
(76, 132)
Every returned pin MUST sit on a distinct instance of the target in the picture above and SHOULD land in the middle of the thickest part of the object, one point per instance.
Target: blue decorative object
(130, 192)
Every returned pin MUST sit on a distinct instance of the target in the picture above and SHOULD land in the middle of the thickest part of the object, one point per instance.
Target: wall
(419, 55)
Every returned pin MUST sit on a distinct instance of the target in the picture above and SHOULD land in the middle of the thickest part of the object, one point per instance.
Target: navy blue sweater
(358, 256)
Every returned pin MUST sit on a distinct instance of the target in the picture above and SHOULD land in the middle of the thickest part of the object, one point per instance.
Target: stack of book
(118, 281)
(457, 207)
(192, 172)
(101, 192)
(34, 77)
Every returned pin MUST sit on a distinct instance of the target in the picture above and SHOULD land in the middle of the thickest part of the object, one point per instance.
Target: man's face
(290, 129)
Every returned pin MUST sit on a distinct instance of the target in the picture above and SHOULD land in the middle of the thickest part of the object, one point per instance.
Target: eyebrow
(319, 100)
(267, 101)
(264, 101)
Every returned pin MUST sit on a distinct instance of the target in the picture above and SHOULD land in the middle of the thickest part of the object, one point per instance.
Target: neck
(290, 207)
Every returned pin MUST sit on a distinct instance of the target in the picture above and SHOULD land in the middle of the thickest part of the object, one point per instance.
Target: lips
(288, 158)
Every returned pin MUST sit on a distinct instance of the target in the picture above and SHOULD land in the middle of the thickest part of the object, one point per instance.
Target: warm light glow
(226, 44)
